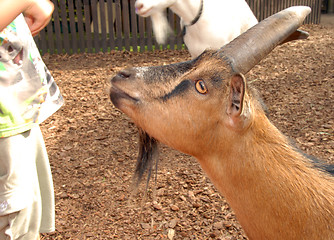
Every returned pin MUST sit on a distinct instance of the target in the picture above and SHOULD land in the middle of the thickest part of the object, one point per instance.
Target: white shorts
(26, 188)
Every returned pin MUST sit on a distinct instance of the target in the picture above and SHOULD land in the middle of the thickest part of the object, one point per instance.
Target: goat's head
(185, 105)
(180, 101)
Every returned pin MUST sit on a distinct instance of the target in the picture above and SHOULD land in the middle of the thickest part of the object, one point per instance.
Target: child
(28, 95)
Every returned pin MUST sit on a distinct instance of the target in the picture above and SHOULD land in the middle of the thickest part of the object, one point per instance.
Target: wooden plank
(134, 28)
(172, 38)
(251, 4)
(258, 10)
(283, 4)
(126, 25)
(64, 24)
(313, 9)
(313, 17)
(103, 25)
(305, 3)
(258, 6)
(42, 39)
(265, 5)
(95, 25)
(179, 38)
(141, 28)
(72, 27)
(38, 42)
(80, 26)
(178, 34)
(111, 16)
(165, 45)
(287, 4)
(267, 10)
(278, 6)
(272, 7)
(59, 39)
(51, 44)
(119, 37)
(87, 26)
(318, 12)
(313, 13)
(255, 3)
(149, 32)
(316, 9)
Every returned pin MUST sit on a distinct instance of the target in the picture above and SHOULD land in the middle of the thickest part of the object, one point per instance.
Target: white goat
(208, 23)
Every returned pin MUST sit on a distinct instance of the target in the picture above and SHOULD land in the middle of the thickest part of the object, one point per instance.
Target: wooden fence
(79, 26)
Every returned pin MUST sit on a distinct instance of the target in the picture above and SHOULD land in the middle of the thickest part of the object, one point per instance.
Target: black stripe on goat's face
(181, 88)
(172, 102)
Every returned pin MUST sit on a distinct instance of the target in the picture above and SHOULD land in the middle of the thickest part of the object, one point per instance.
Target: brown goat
(204, 108)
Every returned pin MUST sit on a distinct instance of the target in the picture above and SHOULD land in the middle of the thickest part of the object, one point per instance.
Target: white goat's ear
(236, 100)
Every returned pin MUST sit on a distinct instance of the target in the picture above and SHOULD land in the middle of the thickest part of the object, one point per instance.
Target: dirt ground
(93, 147)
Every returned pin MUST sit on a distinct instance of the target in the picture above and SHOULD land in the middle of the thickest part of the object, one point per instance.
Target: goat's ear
(236, 100)
(236, 96)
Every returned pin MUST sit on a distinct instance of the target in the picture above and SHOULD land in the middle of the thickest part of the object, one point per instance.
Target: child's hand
(38, 15)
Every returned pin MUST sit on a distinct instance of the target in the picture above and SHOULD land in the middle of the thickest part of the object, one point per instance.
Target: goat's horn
(247, 50)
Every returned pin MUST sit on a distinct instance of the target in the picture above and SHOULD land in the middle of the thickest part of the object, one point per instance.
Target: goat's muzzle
(120, 91)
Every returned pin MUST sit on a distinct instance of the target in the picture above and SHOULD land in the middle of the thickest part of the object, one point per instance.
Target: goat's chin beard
(147, 156)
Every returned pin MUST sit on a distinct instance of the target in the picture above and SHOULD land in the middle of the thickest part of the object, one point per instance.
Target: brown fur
(274, 190)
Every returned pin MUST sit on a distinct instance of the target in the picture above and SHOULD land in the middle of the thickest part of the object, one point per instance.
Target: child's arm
(36, 12)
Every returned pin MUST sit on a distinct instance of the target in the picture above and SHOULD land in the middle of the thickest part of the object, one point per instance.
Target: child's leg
(22, 225)
(25, 183)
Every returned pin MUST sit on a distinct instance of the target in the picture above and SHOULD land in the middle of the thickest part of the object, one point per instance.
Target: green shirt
(28, 93)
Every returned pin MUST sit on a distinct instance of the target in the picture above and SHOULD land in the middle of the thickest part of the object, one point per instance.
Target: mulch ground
(93, 146)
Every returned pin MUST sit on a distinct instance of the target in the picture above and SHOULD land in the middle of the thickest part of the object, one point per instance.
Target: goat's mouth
(117, 96)
(143, 12)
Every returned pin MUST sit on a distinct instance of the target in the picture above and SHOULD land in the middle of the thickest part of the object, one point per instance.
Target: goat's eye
(200, 87)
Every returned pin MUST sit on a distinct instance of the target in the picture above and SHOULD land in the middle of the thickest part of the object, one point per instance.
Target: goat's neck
(274, 191)
(187, 10)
